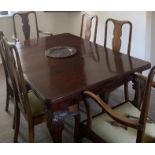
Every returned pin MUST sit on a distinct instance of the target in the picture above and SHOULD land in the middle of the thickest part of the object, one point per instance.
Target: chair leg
(31, 133)
(15, 104)
(77, 137)
(126, 93)
(7, 100)
(14, 120)
(17, 124)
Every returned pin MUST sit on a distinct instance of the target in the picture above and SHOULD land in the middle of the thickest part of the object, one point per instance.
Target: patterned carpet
(41, 132)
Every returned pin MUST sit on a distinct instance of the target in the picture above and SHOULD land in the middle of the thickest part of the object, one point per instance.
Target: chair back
(145, 104)
(140, 122)
(5, 61)
(15, 68)
(2, 49)
(117, 33)
(25, 23)
(88, 19)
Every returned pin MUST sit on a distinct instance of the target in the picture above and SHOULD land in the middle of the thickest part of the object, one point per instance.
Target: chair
(26, 26)
(88, 27)
(116, 41)
(10, 81)
(8, 76)
(28, 103)
(124, 123)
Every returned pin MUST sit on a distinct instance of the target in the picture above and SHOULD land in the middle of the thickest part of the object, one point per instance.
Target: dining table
(60, 82)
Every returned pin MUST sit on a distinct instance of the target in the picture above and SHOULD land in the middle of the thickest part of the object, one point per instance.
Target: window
(6, 13)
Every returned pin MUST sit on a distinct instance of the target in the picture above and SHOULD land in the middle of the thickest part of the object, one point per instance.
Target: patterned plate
(60, 52)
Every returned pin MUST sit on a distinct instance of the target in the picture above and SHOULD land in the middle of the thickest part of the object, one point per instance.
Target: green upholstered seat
(36, 105)
(102, 127)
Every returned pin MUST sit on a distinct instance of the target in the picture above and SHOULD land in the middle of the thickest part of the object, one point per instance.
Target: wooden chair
(26, 26)
(8, 76)
(116, 41)
(124, 123)
(88, 27)
(28, 103)
(10, 81)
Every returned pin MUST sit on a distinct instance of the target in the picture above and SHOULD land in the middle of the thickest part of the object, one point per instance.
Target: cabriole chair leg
(17, 124)
(31, 133)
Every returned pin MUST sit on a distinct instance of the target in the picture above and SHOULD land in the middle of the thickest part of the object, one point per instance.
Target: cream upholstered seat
(127, 122)
(110, 133)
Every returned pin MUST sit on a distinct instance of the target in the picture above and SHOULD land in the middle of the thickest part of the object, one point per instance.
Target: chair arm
(139, 75)
(117, 117)
(46, 33)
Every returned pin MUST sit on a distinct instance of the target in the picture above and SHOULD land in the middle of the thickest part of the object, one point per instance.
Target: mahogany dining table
(59, 82)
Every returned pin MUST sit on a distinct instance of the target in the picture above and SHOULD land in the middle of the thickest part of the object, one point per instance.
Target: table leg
(104, 97)
(55, 125)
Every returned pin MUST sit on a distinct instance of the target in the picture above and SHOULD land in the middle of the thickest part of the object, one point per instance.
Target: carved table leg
(55, 125)
(55, 121)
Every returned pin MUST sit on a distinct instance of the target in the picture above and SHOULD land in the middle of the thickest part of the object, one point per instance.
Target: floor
(41, 132)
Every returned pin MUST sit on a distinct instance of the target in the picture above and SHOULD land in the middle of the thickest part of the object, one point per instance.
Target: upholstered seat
(36, 105)
(111, 133)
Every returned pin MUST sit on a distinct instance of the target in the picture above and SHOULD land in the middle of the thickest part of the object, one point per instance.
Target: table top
(60, 79)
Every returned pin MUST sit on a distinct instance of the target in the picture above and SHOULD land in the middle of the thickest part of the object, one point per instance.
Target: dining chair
(28, 103)
(125, 122)
(87, 24)
(10, 87)
(11, 91)
(25, 16)
(116, 41)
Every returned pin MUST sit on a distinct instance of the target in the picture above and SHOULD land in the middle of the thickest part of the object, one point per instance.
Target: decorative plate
(60, 52)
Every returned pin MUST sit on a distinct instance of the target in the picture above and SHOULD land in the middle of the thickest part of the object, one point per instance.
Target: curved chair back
(3, 51)
(145, 104)
(88, 27)
(15, 67)
(117, 33)
(25, 24)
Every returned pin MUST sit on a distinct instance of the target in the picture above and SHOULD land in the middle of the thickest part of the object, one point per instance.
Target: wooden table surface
(93, 68)
(59, 79)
